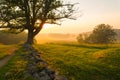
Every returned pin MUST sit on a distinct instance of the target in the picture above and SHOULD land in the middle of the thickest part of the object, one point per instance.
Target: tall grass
(75, 61)
(83, 62)
(15, 68)
(5, 50)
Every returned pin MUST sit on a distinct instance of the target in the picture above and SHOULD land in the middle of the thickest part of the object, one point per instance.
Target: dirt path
(6, 59)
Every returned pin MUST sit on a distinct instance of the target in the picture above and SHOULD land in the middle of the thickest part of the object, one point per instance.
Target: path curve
(7, 58)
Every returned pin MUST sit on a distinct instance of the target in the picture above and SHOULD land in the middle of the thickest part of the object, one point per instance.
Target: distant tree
(18, 15)
(80, 38)
(102, 34)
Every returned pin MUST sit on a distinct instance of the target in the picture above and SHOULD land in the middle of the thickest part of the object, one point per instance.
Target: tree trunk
(32, 34)
(30, 38)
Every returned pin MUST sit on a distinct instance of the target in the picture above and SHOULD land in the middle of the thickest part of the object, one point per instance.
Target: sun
(46, 26)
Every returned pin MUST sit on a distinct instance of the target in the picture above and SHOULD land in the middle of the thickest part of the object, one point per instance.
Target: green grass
(4, 50)
(8, 66)
(83, 62)
(75, 61)
(15, 68)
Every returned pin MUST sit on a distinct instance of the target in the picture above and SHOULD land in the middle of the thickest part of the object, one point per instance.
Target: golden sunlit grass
(83, 62)
(75, 61)
(6, 50)
(14, 69)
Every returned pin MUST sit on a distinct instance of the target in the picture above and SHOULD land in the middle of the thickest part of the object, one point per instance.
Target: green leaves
(103, 34)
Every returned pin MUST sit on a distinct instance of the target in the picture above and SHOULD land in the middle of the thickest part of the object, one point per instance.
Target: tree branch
(38, 29)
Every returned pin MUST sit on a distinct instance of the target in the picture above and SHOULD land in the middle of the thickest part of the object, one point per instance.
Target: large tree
(102, 34)
(18, 15)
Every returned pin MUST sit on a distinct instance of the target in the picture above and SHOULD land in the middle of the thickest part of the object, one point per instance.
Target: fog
(55, 37)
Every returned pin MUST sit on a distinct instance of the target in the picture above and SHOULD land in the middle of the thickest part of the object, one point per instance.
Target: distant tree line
(9, 38)
(102, 34)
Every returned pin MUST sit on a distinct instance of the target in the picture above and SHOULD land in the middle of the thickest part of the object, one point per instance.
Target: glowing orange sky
(94, 12)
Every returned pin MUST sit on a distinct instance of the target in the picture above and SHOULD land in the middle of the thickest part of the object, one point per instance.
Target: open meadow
(59, 39)
(74, 61)
(83, 62)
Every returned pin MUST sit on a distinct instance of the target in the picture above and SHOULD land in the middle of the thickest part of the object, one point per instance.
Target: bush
(102, 34)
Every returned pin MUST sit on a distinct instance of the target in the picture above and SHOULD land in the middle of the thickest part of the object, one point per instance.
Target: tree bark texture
(30, 37)
(33, 33)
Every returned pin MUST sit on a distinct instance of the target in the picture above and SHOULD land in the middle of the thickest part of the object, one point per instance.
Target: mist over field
(58, 37)
(55, 37)
(41, 38)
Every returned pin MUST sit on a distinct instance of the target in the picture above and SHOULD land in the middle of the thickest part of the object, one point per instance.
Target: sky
(93, 12)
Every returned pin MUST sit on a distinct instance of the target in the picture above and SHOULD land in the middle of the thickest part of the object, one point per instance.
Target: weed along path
(8, 57)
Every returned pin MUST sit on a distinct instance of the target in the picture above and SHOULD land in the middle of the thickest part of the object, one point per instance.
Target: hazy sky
(93, 12)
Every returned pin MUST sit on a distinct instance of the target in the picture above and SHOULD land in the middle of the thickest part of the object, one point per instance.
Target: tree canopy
(18, 15)
(102, 34)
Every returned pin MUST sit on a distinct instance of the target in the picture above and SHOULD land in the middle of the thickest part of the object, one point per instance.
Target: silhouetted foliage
(81, 38)
(102, 34)
(18, 15)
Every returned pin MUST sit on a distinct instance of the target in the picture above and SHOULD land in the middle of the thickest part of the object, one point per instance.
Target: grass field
(5, 50)
(75, 61)
(8, 66)
(83, 62)
(14, 69)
